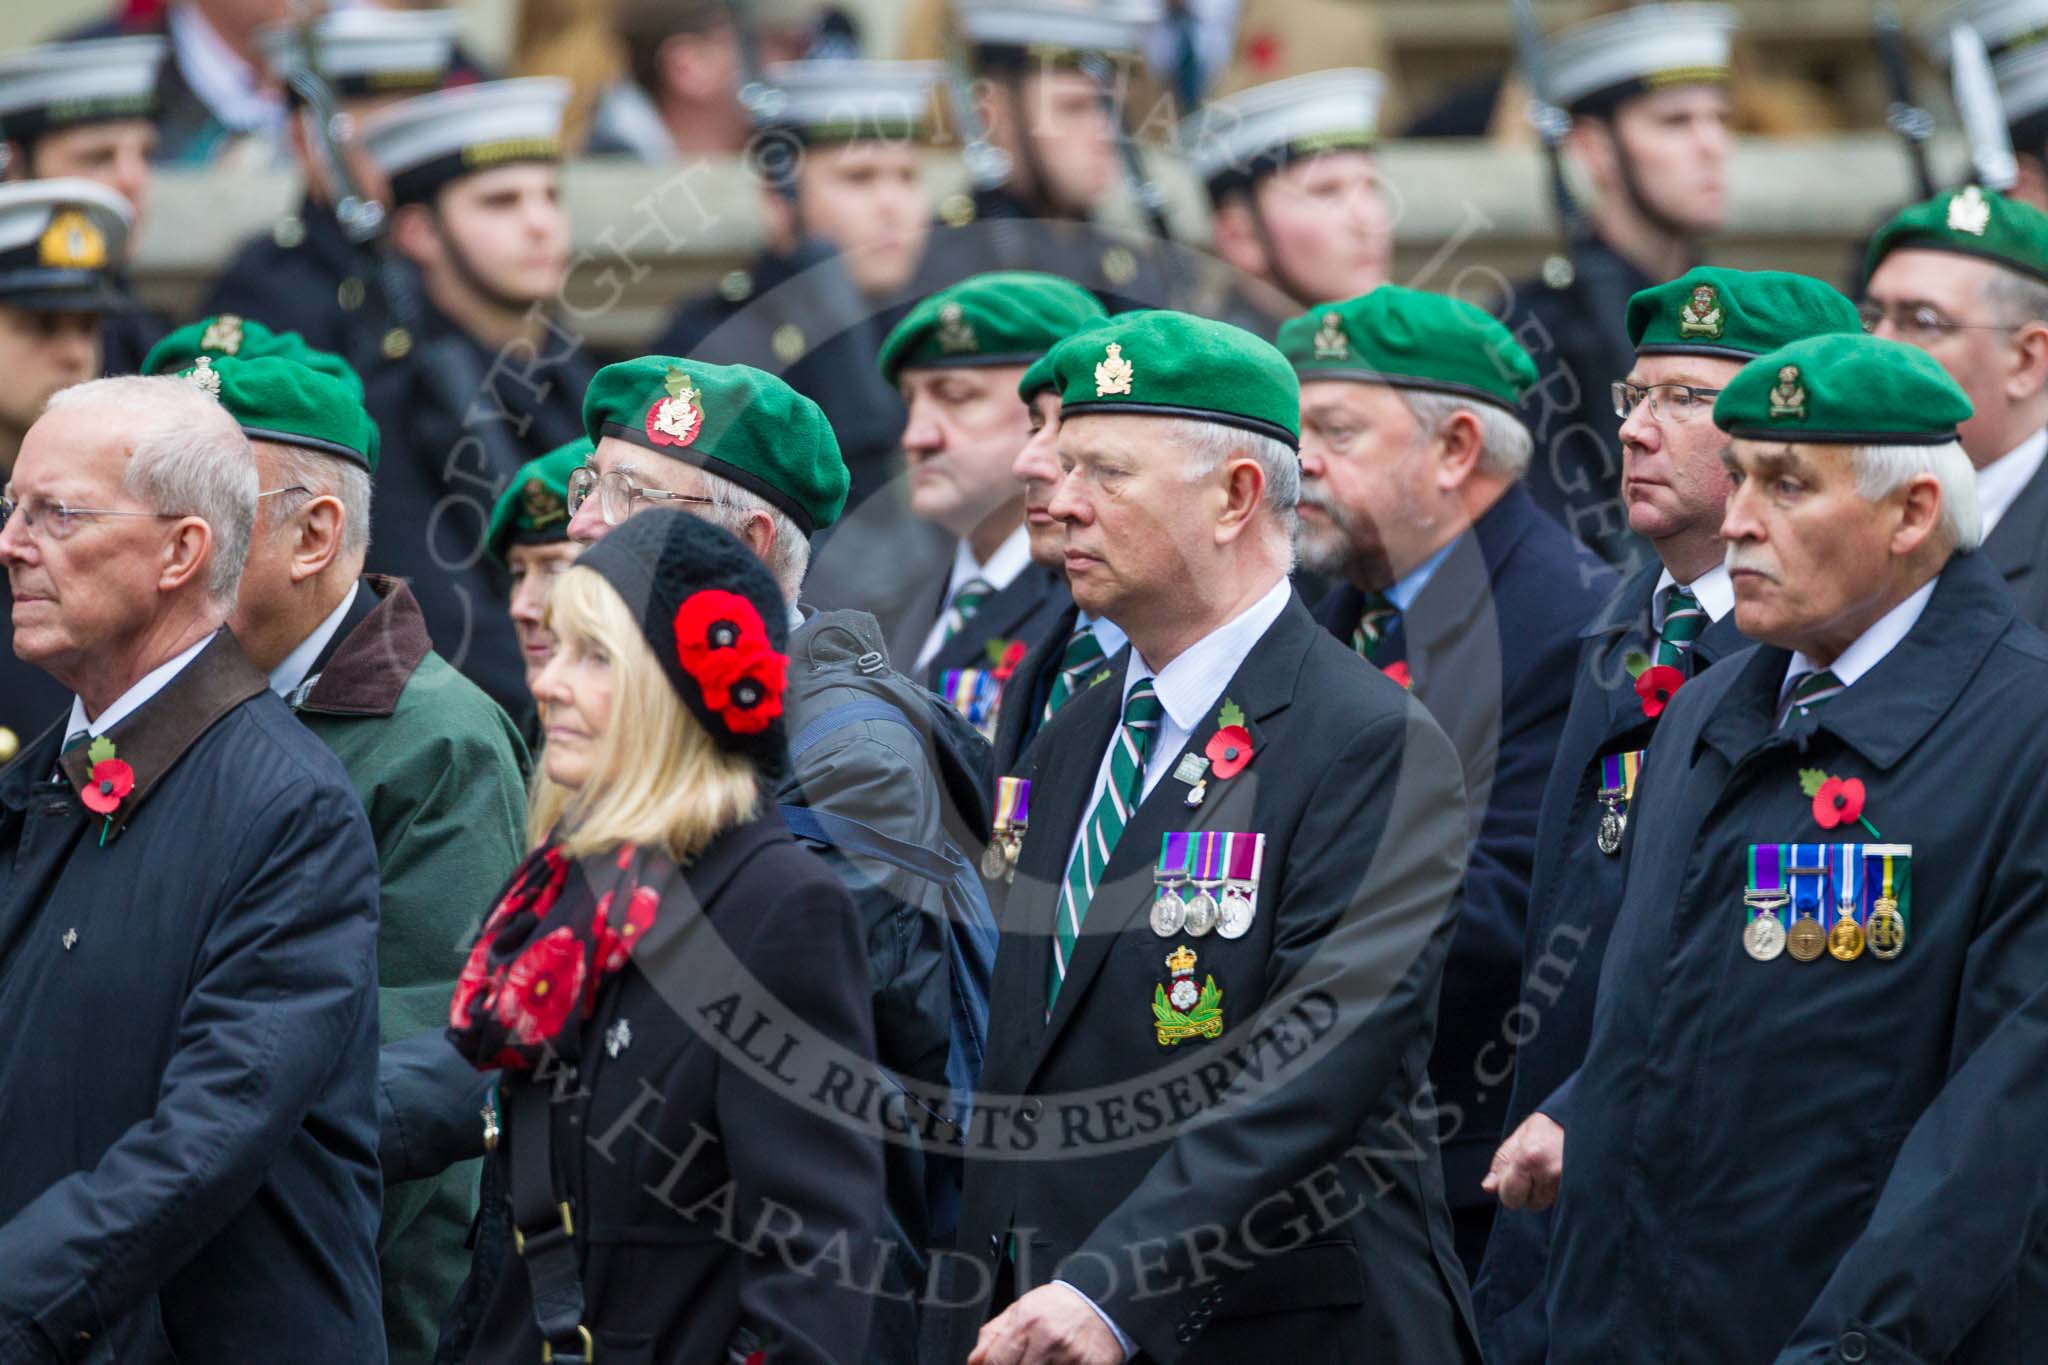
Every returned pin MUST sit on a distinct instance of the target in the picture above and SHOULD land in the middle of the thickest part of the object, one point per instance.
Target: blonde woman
(666, 987)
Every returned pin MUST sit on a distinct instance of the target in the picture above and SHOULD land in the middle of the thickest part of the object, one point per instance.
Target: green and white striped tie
(965, 603)
(1810, 690)
(1373, 624)
(1083, 653)
(1684, 619)
(1120, 796)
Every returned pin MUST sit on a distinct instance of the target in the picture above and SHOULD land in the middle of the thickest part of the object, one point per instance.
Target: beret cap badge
(203, 376)
(1113, 374)
(1331, 343)
(72, 242)
(676, 419)
(1788, 398)
(223, 334)
(1702, 315)
(1969, 212)
(956, 334)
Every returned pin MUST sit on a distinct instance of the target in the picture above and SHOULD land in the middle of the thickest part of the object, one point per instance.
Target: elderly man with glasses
(188, 927)
(1964, 276)
(1663, 626)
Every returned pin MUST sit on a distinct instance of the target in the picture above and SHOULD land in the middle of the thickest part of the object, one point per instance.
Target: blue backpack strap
(843, 715)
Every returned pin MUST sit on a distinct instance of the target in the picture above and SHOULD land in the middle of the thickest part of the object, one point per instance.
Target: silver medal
(1202, 914)
(1612, 822)
(1235, 918)
(993, 863)
(1169, 913)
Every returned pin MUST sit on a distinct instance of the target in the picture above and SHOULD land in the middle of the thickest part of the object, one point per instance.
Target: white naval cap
(367, 51)
(1054, 31)
(2006, 26)
(425, 142)
(1595, 65)
(846, 101)
(1236, 138)
(61, 242)
(2022, 77)
(62, 85)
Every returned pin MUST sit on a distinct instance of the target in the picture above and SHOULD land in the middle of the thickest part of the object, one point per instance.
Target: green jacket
(441, 772)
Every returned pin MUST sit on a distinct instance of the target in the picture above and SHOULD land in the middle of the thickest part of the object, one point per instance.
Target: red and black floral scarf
(545, 952)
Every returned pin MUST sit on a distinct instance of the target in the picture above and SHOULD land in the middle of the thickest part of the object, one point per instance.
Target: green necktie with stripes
(1810, 690)
(1083, 653)
(1120, 796)
(965, 603)
(1373, 624)
(1684, 619)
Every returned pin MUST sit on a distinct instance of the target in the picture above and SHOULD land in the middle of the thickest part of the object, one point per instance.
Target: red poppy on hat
(715, 619)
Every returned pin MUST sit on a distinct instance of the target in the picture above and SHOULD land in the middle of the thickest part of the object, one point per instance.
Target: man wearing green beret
(957, 358)
(1691, 336)
(1964, 276)
(1797, 1133)
(220, 335)
(880, 769)
(1227, 929)
(529, 535)
(439, 770)
(1450, 579)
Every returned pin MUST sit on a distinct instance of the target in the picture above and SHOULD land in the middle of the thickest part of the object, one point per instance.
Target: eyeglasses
(616, 494)
(58, 520)
(1676, 403)
(288, 488)
(1921, 324)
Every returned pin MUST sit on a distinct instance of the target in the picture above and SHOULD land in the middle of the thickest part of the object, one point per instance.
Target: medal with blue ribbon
(1243, 856)
(1203, 911)
(1617, 788)
(975, 694)
(1805, 939)
(1764, 935)
(1006, 839)
(1169, 911)
(1845, 939)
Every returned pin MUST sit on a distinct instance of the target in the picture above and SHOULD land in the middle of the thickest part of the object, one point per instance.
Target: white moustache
(1737, 560)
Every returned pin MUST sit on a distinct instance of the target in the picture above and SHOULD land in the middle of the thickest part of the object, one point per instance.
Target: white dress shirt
(286, 677)
(1714, 589)
(1865, 652)
(129, 702)
(1999, 483)
(231, 89)
(1011, 558)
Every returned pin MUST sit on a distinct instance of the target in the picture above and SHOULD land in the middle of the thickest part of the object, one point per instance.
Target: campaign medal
(1182, 1010)
(976, 693)
(1845, 940)
(1203, 911)
(1006, 840)
(1617, 789)
(1169, 911)
(1763, 938)
(1886, 932)
(1806, 940)
(1243, 856)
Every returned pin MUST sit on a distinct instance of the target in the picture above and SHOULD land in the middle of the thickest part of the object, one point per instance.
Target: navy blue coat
(1829, 1160)
(1572, 903)
(1489, 643)
(188, 1078)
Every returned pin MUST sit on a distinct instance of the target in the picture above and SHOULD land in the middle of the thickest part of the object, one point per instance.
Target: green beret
(1971, 222)
(534, 508)
(279, 400)
(1411, 339)
(1003, 317)
(1038, 377)
(1843, 389)
(228, 334)
(735, 421)
(1169, 364)
(1735, 314)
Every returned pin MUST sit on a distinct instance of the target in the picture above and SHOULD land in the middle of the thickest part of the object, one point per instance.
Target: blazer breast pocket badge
(1182, 1010)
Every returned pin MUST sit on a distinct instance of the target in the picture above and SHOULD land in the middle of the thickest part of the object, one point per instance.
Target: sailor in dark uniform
(59, 242)
(307, 275)
(1050, 128)
(492, 380)
(1298, 213)
(85, 110)
(1647, 92)
(836, 145)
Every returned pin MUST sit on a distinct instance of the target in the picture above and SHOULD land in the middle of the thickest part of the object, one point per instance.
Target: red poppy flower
(541, 987)
(1397, 671)
(474, 981)
(744, 688)
(1839, 801)
(1229, 749)
(1012, 656)
(714, 620)
(112, 779)
(610, 948)
(1657, 686)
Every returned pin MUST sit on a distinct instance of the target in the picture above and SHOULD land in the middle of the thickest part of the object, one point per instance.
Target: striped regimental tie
(1373, 624)
(1684, 619)
(1120, 796)
(965, 602)
(1808, 691)
(1083, 653)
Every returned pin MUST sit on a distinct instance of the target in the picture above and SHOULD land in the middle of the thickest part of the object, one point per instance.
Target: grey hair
(1209, 444)
(1880, 469)
(2016, 299)
(324, 476)
(789, 558)
(186, 457)
(1504, 442)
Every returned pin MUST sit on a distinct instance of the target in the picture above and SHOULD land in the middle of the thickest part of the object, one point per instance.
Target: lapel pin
(618, 1038)
(70, 939)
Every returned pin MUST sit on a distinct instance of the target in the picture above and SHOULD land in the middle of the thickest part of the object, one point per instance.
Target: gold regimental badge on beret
(1702, 315)
(1331, 343)
(1113, 374)
(1788, 398)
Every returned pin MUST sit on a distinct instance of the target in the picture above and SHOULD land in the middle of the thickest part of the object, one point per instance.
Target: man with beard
(1452, 582)
(1298, 211)
(1676, 615)
(1647, 92)
(492, 381)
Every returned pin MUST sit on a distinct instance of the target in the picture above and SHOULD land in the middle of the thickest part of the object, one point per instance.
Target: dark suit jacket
(1085, 1147)
(1029, 688)
(2018, 549)
(1028, 609)
(1489, 643)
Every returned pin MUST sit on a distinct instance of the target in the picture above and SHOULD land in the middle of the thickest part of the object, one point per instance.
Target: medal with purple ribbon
(1763, 937)
(1169, 911)
(1203, 910)
(1243, 856)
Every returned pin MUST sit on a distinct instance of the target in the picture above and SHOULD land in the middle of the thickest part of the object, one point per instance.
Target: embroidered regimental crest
(71, 242)
(1180, 1009)
(544, 506)
(675, 420)
(1969, 212)
(1113, 374)
(223, 334)
(203, 376)
(956, 334)
(1788, 399)
(1702, 315)
(1331, 343)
